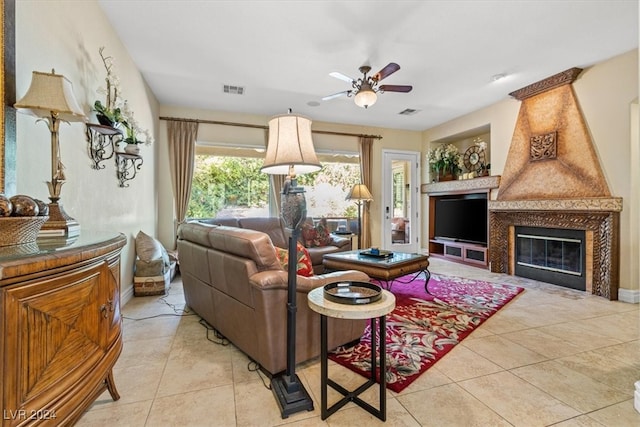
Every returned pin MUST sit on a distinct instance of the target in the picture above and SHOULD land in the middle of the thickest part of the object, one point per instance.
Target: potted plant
(116, 112)
(109, 113)
(445, 161)
(134, 134)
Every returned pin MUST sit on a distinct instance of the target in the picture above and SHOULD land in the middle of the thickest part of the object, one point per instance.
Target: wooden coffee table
(384, 270)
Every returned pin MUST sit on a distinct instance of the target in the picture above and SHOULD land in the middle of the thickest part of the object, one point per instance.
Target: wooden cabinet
(61, 327)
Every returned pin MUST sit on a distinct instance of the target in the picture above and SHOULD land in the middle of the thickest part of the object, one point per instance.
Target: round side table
(376, 311)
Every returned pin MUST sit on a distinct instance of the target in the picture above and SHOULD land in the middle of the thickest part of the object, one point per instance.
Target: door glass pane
(400, 202)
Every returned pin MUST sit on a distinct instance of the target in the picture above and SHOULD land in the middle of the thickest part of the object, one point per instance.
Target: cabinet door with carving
(110, 298)
(54, 336)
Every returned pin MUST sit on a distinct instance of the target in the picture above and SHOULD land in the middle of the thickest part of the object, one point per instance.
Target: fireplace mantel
(462, 185)
(591, 204)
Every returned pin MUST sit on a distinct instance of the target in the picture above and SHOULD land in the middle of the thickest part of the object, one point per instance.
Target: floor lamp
(290, 151)
(50, 97)
(359, 193)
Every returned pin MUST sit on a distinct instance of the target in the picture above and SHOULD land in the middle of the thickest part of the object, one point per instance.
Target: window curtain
(366, 147)
(182, 137)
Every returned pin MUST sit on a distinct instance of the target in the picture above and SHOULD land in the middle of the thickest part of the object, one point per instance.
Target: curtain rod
(246, 125)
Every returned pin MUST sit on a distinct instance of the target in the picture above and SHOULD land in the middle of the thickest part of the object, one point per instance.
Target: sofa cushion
(270, 225)
(316, 236)
(199, 235)
(303, 267)
(229, 222)
(148, 248)
(245, 243)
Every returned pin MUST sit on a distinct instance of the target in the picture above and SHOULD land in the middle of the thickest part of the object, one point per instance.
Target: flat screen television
(462, 219)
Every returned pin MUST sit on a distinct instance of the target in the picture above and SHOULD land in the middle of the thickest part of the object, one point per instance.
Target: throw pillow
(303, 267)
(316, 236)
(148, 248)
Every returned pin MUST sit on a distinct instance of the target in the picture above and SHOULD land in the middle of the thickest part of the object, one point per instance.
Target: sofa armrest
(340, 242)
(275, 279)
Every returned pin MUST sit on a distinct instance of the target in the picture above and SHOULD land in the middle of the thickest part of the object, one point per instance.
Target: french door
(400, 216)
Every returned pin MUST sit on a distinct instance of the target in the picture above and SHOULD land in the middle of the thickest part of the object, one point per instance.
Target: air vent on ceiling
(408, 112)
(234, 90)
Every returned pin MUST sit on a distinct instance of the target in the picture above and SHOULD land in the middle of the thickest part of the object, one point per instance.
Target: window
(226, 184)
(327, 189)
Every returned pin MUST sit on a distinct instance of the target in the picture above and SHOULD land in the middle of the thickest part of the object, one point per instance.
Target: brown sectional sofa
(280, 236)
(234, 281)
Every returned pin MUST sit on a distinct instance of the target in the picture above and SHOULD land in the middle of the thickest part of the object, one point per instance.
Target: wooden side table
(376, 311)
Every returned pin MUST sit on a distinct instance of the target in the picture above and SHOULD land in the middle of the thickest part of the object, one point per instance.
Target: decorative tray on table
(377, 253)
(352, 292)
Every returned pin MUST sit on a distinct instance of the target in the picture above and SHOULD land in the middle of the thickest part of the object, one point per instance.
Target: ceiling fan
(365, 88)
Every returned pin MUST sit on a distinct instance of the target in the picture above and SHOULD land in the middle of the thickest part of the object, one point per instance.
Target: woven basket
(17, 230)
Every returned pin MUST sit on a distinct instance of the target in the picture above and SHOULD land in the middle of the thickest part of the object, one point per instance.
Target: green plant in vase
(134, 134)
(109, 113)
(445, 161)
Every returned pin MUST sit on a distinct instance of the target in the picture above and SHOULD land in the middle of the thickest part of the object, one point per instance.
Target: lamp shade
(51, 93)
(290, 144)
(359, 192)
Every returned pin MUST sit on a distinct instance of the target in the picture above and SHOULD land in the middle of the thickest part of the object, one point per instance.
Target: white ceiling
(282, 52)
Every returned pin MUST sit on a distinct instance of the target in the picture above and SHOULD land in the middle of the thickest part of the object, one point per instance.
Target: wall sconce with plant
(117, 124)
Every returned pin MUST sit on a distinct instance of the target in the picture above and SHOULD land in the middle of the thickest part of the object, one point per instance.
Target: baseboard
(628, 295)
(126, 295)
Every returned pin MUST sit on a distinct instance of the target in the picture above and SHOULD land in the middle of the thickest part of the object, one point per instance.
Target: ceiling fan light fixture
(365, 98)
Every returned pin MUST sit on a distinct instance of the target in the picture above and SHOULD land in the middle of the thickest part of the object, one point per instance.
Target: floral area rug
(424, 327)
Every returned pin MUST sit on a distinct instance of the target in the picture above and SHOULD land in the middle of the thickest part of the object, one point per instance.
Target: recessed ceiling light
(497, 77)
(313, 103)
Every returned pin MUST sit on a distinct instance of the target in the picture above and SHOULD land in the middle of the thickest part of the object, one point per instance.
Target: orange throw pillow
(303, 266)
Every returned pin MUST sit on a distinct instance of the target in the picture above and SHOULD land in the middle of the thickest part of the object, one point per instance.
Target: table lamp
(359, 193)
(50, 98)
(290, 151)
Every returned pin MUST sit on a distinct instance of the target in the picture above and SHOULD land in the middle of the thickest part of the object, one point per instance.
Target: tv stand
(467, 253)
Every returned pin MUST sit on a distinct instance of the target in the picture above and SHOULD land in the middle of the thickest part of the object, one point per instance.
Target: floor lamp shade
(359, 192)
(290, 144)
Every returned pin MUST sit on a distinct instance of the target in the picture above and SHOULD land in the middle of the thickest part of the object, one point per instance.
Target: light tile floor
(552, 356)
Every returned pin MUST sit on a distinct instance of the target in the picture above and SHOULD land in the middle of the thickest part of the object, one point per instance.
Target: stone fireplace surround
(598, 217)
(553, 179)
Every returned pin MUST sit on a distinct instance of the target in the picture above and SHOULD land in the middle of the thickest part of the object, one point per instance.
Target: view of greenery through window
(225, 186)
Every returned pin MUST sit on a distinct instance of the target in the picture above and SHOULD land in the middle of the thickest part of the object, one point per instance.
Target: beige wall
(66, 35)
(391, 139)
(606, 93)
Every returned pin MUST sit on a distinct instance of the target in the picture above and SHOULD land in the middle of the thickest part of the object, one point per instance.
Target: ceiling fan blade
(391, 68)
(395, 88)
(336, 95)
(341, 76)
